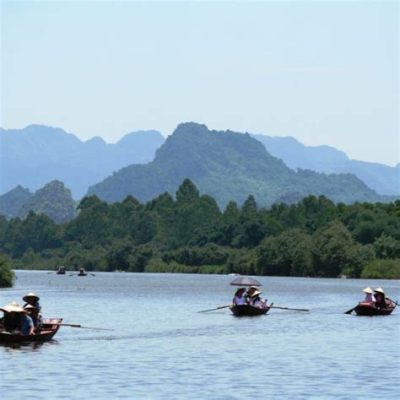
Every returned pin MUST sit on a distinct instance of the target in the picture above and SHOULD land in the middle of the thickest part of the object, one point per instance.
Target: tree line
(189, 233)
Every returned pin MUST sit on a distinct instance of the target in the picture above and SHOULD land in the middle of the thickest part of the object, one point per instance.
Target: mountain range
(228, 166)
(382, 178)
(33, 156)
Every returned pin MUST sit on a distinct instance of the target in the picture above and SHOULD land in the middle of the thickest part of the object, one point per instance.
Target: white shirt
(369, 298)
(239, 301)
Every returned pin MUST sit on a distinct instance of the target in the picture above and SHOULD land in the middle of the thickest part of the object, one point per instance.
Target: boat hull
(369, 310)
(247, 310)
(49, 328)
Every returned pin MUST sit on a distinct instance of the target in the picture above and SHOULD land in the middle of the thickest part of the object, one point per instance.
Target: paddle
(213, 309)
(287, 308)
(84, 327)
(351, 310)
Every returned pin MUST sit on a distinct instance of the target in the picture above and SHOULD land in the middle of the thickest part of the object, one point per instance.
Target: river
(162, 348)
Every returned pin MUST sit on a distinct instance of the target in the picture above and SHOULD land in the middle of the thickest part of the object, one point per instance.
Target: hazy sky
(323, 72)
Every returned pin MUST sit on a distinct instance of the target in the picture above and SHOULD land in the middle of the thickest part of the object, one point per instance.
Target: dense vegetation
(314, 237)
(6, 274)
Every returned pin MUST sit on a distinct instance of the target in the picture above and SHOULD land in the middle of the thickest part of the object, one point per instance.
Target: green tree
(289, 253)
(6, 273)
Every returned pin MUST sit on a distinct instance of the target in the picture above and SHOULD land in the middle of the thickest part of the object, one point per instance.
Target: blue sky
(323, 72)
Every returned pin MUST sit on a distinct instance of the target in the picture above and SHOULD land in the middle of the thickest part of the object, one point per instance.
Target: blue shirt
(26, 325)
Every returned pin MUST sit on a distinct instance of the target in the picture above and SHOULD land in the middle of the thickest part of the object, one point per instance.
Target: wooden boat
(369, 309)
(247, 310)
(49, 328)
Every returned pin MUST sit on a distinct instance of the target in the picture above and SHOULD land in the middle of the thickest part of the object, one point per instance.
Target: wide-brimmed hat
(30, 307)
(368, 290)
(379, 290)
(13, 307)
(31, 296)
(255, 293)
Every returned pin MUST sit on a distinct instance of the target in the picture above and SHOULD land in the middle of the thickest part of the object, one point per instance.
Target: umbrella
(245, 281)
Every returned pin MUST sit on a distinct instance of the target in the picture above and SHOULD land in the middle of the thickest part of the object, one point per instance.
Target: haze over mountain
(227, 166)
(33, 156)
(382, 178)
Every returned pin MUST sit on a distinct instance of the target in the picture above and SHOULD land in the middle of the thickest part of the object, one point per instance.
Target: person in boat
(82, 271)
(369, 295)
(17, 320)
(249, 293)
(12, 317)
(239, 299)
(32, 299)
(26, 326)
(257, 301)
(34, 314)
(380, 298)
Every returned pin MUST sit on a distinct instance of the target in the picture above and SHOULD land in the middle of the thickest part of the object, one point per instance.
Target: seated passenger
(12, 317)
(249, 292)
(239, 298)
(380, 298)
(369, 295)
(26, 326)
(34, 314)
(257, 301)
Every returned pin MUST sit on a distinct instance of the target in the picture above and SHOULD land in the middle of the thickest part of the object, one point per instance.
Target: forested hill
(379, 177)
(33, 156)
(227, 166)
(54, 200)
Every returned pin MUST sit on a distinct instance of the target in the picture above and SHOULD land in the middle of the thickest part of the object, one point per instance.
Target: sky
(322, 72)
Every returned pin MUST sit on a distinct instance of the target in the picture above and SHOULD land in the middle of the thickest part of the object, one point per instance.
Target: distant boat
(61, 271)
(82, 272)
(49, 328)
(247, 310)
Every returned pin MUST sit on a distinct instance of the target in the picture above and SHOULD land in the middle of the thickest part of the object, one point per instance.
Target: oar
(92, 274)
(287, 308)
(84, 327)
(351, 310)
(213, 309)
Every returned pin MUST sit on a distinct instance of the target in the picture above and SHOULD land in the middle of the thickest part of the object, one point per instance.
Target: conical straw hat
(379, 290)
(13, 307)
(30, 295)
(368, 290)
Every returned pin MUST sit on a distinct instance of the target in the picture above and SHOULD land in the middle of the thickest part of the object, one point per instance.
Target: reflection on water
(26, 346)
(162, 348)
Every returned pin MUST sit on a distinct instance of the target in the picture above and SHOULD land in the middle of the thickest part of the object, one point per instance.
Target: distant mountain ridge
(33, 156)
(379, 177)
(53, 200)
(227, 166)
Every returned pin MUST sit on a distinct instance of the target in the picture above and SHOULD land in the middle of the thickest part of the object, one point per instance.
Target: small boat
(49, 328)
(247, 310)
(82, 272)
(369, 309)
(61, 271)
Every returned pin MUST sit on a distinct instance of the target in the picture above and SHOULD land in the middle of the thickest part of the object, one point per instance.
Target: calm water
(163, 349)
